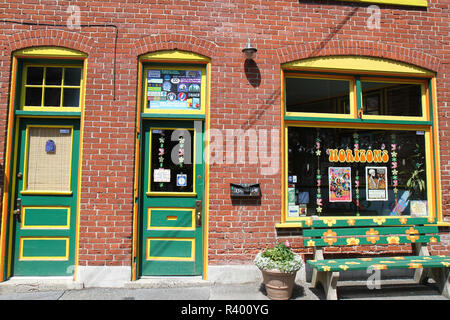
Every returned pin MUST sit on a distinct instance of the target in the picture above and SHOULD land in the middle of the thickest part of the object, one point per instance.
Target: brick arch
(172, 42)
(57, 38)
(358, 48)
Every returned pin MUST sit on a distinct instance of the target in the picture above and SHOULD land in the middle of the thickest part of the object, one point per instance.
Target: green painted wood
(43, 248)
(160, 248)
(365, 222)
(364, 231)
(171, 219)
(381, 263)
(48, 248)
(370, 240)
(364, 121)
(46, 217)
(29, 113)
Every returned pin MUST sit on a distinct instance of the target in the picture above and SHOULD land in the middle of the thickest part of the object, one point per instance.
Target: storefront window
(356, 172)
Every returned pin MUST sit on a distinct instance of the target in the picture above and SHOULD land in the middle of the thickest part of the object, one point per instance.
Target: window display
(362, 172)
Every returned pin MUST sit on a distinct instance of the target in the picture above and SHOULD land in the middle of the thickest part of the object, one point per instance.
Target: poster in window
(376, 184)
(340, 184)
(173, 89)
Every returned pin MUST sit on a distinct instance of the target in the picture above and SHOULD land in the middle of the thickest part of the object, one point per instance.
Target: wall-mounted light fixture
(249, 51)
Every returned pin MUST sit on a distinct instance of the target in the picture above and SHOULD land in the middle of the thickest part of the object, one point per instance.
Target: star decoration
(318, 152)
(394, 154)
(319, 209)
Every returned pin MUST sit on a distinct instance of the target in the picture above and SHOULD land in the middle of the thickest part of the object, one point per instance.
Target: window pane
(174, 89)
(348, 172)
(35, 75)
(49, 169)
(172, 168)
(52, 97)
(317, 95)
(53, 76)
(72, 76)
(392, 99)
(71, 97)
(33, 96)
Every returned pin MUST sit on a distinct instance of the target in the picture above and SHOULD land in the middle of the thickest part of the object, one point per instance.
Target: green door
(45, 203)
(171, 205)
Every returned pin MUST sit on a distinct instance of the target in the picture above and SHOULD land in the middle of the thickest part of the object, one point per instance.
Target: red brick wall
(281, 30)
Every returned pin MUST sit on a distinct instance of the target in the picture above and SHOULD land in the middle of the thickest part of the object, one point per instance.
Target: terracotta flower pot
(278, 284)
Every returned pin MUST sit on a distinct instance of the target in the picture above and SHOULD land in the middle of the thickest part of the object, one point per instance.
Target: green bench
(386, 231)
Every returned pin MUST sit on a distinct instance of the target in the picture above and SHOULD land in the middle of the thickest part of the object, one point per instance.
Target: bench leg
(442, 278)
(421, 275)
(328, 280)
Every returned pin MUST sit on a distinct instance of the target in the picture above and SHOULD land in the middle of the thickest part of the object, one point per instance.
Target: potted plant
(279, 266)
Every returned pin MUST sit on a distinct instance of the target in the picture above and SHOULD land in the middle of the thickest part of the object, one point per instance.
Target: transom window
(51, 87)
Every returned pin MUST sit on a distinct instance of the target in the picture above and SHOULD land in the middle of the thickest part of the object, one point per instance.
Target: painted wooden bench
(329, 232)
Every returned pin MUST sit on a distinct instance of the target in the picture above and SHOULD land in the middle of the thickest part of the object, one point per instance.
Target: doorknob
(18, 210)
(198, 212)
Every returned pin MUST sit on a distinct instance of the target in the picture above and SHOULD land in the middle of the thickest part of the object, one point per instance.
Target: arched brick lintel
(47, 37)
(172, 42)
(358, 48)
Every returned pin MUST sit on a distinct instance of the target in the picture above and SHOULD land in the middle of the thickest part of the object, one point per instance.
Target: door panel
(171, 193)
(45, 203)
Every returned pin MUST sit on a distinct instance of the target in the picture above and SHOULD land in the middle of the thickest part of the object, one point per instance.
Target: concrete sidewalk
(197, 289)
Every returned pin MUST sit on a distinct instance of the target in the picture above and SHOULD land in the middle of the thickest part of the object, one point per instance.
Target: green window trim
(412, 3)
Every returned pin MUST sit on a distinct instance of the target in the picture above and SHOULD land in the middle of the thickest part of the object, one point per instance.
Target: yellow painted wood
(50, 51)
(203, 89)
(357, 64)
(413, 3)
(175, 55)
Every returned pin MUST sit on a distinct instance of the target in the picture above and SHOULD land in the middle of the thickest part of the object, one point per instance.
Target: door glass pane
(351, 172)
(53, 76)
(52, 97)
(35, 75)
(49, 159)
(71, 97)
(171, 163)
(72, 76)
(33, 96)
(317, 95)
(391, 99)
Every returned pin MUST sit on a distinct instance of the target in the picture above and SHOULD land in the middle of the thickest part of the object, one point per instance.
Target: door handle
(18, 210)
(198, 212)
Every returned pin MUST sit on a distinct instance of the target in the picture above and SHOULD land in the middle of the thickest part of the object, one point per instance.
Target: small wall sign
(245, 190)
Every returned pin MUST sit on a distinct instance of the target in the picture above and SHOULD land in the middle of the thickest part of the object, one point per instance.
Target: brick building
(129, 128)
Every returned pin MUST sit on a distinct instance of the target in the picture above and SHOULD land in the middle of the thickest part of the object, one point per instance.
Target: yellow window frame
(181, 66)
(43, 86)
(431, 186)
(25, 190)
(362, 68)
